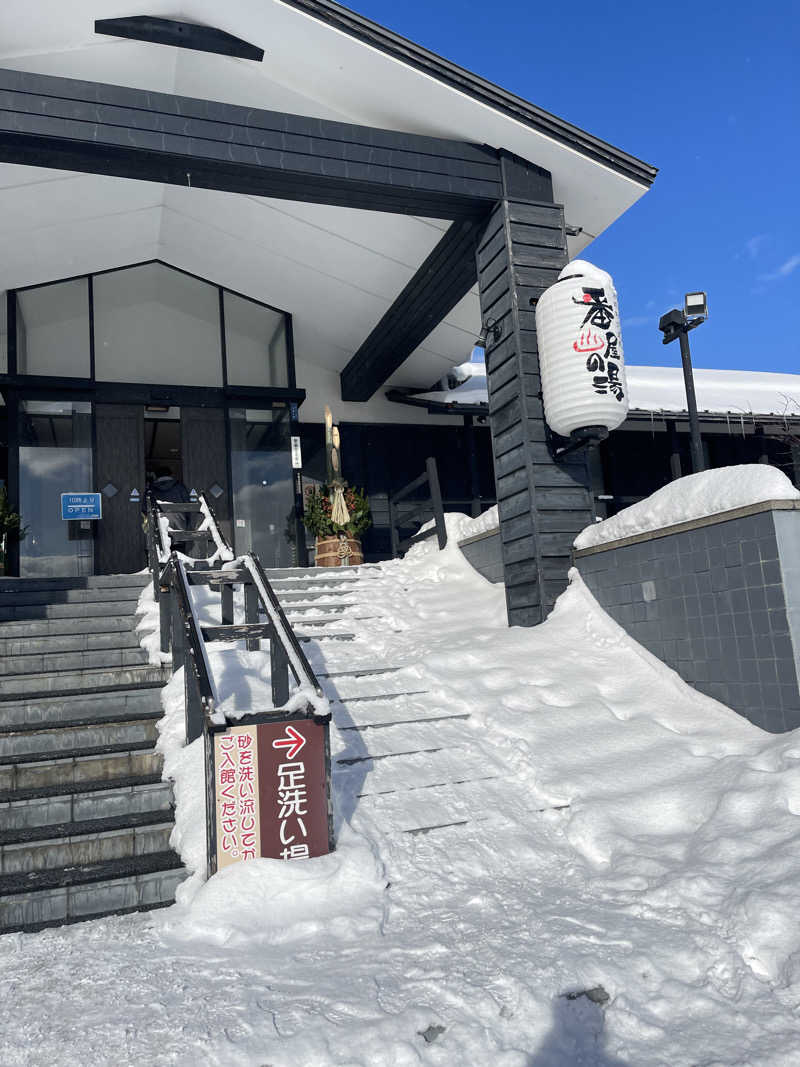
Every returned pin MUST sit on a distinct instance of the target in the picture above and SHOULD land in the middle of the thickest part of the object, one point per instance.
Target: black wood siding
(108, 129)
(542, 502)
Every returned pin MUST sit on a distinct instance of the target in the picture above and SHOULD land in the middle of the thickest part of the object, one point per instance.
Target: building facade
(215, 227)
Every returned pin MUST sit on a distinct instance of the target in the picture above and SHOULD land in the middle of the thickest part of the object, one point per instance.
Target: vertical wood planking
(543, 502)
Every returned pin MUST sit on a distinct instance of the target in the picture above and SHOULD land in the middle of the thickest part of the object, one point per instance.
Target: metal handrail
(191, 640)
(183, 632)
(298, 662)
(217, 535)
(210, 525)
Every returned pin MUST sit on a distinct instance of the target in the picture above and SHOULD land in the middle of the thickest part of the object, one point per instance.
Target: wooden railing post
(395, 536)
(226, 604)
(177, 632)
(165, 615)
(252, 644)
(279, 671)
(436, 500)
(194, 705)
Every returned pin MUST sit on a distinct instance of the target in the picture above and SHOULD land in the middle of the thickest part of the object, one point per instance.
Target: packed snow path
(400, 751)
(623, 832)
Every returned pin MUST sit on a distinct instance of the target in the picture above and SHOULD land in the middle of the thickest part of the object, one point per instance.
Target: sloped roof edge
(486, 92)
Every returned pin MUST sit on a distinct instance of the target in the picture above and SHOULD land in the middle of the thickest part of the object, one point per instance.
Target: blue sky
(709, 94)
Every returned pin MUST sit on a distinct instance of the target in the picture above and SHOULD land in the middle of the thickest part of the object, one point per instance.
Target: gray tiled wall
(711, 602)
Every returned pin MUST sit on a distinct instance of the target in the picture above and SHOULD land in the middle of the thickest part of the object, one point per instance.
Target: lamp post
(677, 323)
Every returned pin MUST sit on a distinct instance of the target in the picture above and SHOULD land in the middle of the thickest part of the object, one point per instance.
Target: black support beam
(179, 35)
(446, 276)
(543, 501)
(68, 124)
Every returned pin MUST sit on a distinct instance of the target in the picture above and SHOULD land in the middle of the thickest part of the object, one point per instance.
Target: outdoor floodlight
(677, 324)
(696, 305)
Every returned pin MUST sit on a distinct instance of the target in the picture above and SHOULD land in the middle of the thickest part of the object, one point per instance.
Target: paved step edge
(93, 581)
(64, 830)
(79, 850)
(53, 725)
(85, 700)
(57, 756)
(71, 920)
(35, 695)
(131, 657)
(86, 874)
(63, 789)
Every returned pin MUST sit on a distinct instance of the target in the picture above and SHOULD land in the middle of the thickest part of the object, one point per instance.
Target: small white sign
(134, 497)
(193, 495)
(297, 455)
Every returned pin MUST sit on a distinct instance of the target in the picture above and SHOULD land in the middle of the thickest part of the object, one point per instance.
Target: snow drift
(693, 497)
(640, 841)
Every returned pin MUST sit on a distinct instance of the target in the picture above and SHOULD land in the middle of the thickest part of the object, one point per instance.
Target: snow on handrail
(224, 551)
(301, 668)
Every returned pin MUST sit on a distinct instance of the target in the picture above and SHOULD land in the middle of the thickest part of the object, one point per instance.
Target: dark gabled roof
(414, 55)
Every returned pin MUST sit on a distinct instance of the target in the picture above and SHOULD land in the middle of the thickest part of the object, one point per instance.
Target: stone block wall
(717, 599)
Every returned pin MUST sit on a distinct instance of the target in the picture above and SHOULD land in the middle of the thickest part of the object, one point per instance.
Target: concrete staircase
(85, 819)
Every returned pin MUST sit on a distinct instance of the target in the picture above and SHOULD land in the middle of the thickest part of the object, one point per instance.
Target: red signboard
(271, 789)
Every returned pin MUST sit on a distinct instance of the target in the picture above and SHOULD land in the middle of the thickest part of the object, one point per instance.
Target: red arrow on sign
(293, 742)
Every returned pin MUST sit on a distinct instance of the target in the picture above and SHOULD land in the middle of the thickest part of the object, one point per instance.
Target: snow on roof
(718, 391)
(693, 497)
(661, 389)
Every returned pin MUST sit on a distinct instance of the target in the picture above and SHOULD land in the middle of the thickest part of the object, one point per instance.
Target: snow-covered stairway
(85, 819)
(401, 756)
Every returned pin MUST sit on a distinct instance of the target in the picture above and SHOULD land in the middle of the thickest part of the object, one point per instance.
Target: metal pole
(698, 463)
(474, 481)
(674, 450)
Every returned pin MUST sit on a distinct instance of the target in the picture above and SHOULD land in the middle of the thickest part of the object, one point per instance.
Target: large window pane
(156, 325)
(53, 330)
(263, 492)
(255, 343)
(55, 457)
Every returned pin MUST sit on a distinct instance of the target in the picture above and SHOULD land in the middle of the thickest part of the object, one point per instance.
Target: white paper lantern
(580, 351)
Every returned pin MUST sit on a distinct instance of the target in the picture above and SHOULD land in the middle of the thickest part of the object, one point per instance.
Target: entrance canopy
(336, 269)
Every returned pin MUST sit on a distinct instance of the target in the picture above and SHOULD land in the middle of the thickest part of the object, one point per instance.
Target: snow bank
(488, 520)
(605, 825)
(148, 627)
(271, 902)
(693, 497)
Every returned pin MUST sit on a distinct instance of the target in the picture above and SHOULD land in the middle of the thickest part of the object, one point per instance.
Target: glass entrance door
(55, 457)
(263, 491)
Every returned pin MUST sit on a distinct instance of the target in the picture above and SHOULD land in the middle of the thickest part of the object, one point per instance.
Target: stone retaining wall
(717, 599)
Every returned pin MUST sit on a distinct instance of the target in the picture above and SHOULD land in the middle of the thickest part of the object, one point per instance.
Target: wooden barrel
(338, 552)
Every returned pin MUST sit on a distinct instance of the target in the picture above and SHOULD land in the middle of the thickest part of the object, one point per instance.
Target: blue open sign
(81, 506)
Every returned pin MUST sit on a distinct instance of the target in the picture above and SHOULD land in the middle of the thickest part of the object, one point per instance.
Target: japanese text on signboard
(237, 807)
(599, 343)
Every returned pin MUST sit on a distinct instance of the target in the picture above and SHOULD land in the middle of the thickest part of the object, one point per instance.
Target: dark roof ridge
(414, 55)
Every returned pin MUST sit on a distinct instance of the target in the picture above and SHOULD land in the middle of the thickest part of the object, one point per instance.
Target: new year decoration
(336, 513)
(340, 516)
(580, 351)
